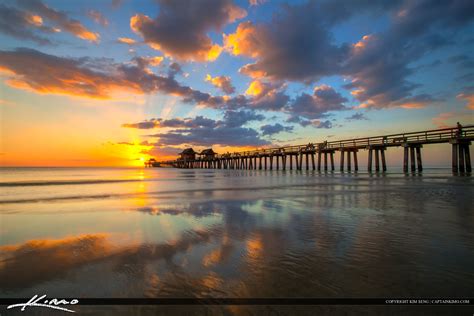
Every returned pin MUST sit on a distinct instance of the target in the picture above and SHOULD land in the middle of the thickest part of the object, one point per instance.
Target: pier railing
(442, 135)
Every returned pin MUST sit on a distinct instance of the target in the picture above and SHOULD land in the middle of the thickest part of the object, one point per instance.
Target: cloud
(463, 61)
(441, 119)
(204, 136)
(23, 25)
(181, 27)
(239, 118)
(324, 124)
(256, 2)
(231, 119)
(357, 117)
(162, 151)
(275, 129)
(61, 20)
(32, 70)
(324, 99)
(201, 131)
(266, 95)
(126, 40)
(198, 121)
(295, 45)
(379, 63)
(467, 96)
(222, 82)
(98, 17)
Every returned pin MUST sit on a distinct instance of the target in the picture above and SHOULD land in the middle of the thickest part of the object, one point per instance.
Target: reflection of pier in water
(321, 155)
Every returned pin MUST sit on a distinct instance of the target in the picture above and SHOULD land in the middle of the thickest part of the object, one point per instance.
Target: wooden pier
(303, 157)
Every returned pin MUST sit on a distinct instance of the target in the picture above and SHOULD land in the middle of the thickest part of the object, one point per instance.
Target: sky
(116, 82)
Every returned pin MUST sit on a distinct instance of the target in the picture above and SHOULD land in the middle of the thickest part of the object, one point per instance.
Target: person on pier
(459, 131)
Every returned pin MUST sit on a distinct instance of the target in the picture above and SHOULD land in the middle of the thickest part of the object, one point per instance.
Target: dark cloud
(60, 19)
(324, 99)
(174, 69)
(462, 61)
(23, 25)
(198, 121)
(357, 117)
(181, 27)
(294, 45)
(204, 136)
(240, 118)
(201, 131)
(324, 124)
(275, 129)
(379, 63)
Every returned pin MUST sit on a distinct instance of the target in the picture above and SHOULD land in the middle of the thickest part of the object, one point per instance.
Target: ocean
(173, 233)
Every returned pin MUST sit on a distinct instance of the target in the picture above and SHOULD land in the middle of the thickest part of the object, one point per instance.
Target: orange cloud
(362, 44)
(35, 20)
(442, 118)
(61, 19)
(255, 88)
(181, 30)
(244, 41)
(222, 82)
(32, 70)
(126, 40)
(469, 98)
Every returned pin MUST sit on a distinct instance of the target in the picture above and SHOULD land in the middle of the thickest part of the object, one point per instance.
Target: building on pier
(208, 154)
(152, 163)
(188, 154)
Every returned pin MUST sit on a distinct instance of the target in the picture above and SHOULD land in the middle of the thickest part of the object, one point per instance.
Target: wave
(63, 182)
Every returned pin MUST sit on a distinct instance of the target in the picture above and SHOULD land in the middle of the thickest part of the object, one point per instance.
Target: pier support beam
(461, 156)
(369, 165)
(325, 161)
(319, 160)
(342, 160)
(356, 163)
(332, 160)
(379, 158)
(414, 158)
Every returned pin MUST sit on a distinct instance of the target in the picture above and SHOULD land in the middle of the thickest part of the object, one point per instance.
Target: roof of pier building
(208, 152)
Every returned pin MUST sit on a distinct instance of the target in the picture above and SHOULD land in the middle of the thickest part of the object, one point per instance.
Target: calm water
(98, 232)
